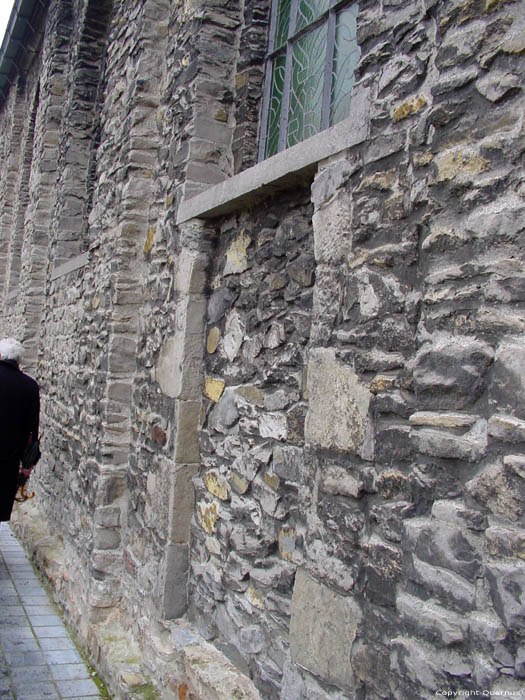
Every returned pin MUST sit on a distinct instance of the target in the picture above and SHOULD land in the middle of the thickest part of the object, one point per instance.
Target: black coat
(19, 416)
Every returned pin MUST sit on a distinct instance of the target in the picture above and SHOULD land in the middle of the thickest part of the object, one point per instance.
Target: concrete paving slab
(38, 658)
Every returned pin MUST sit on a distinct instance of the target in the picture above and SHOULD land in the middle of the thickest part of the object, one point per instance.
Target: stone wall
(283, 444)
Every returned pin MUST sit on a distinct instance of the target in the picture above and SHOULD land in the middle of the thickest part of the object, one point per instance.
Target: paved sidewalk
(38, 660)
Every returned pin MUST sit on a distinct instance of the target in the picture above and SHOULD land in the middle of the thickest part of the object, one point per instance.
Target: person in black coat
(19, 417)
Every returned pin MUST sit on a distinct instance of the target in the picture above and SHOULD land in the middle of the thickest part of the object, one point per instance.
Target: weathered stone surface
(433, 623)
(471, 446)
(507, 391)
(445, 547)
(331, 658)
(507, 428)
(384, 257)
(332, 225)
(338, 420)
(507, 584)
(338, 482)
(449, 372)
(496, 488)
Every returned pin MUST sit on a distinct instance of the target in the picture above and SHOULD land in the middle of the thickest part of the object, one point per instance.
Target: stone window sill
(294, 166)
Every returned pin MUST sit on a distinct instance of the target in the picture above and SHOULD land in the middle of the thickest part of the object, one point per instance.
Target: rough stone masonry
(283, 435)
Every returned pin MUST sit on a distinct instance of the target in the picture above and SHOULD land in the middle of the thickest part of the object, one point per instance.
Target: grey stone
(325, 650)
(498, 84)
(431, 622)
(507, 392)
(252, 639)
(225, 414)
(338, 482)
(329, 180)
(496, 488)
(337, 420)
(507, 589)
(172, 586)
(470, 446)
(449, 372)
(446, 547)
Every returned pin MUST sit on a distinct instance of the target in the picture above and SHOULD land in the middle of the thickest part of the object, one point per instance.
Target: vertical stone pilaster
(180, 375)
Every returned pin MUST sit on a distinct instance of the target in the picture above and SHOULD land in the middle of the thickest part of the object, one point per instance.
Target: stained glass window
(310, 69)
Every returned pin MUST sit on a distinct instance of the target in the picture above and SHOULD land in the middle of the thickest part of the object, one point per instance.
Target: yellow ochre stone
(236, 256)
(251, 393)
(207, 516)
(459, 162)
(272, 480)
(239, 483)
(217, 485)
(491, 5)
(382, 383)
(409, 107)
(255, 598)
(213, 340)
(240, 80)
(378, 181)
(422, 159)
(148, 245)
(221, 116)
(213, 388)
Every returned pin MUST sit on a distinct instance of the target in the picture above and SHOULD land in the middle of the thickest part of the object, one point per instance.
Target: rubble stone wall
(286, 443)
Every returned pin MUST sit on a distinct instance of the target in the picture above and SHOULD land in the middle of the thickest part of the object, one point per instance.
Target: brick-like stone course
(283, 447)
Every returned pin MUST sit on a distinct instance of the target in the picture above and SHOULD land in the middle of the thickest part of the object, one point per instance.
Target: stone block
(471, 446)
(445, 546)
(497, 489)
(237, 256)
(383, 572)
(332, 225)
(338, 406)
(225, 414)
(457, 514)
(432, 622)
(507, 428)
(449, 372)
(507, 590)
(337, 481)
(497, 84)
(181, 502)
(323, 649)
(172, 585)
(187, 415)
(507, 391)
(178, 370)
(417, 664)
(330, 180)
(504, 542)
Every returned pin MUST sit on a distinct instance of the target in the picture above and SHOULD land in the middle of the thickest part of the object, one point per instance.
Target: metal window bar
(328, 16)
(283, 125)
(267, 84)
(328, 68)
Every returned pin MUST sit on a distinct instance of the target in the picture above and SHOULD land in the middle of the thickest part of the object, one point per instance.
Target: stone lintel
(70, 266)
(295, 165)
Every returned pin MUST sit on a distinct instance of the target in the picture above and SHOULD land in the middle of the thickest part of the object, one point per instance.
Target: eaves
(20, 42)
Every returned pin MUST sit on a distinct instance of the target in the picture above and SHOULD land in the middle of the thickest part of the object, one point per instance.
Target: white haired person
(19, 416)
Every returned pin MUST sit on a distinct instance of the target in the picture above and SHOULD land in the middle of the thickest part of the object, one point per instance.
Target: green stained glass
(306, 91)
(309, 10)
(283, 23)
(346, 56)
(276, 101)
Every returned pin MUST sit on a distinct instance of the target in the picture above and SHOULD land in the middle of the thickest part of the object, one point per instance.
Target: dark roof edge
(15, 44)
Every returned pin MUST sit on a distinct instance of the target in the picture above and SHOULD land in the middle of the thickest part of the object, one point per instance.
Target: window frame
(328, 17)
